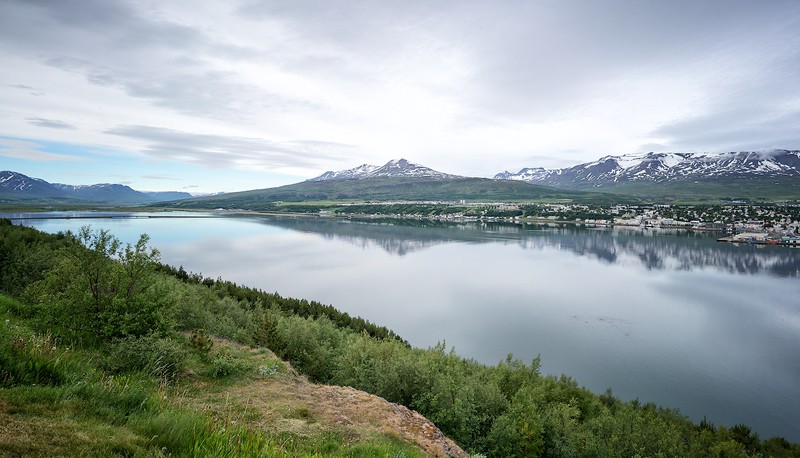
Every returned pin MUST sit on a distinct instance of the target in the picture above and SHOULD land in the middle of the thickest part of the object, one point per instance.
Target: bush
(200, 342)
(226, 364)
(159, 357)
(312, 346)
(100, 289)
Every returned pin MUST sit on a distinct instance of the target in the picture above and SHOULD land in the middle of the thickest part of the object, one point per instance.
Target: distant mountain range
(397, 180)
(747, 175)
(16, 186)
(392, 169)
(625, 172)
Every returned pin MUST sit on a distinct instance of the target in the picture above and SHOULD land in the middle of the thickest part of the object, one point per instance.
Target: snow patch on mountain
(23, 186)
(526, 174)
(393, 168)
(666, 167)
(356, 172)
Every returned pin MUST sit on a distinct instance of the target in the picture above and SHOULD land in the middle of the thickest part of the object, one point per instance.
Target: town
(743, 223)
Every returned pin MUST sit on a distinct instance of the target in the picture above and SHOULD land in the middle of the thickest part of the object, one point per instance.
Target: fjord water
(674, 318)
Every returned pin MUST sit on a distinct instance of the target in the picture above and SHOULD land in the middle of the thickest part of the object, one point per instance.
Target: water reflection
(652, 249)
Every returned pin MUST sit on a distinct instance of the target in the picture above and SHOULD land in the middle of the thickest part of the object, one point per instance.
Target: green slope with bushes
(394, 189)
(94, 350)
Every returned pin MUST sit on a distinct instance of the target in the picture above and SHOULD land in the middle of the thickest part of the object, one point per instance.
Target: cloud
(51, 123)
(553, 83)
(733, 130)
(228, 151)
(191, 90)
(143, 52)
(31, 90)
(161, 177)
(32, 151)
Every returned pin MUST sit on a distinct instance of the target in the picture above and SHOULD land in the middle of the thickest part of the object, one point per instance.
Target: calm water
(673, 318)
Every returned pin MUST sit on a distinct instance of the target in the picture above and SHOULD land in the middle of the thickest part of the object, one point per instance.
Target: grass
(222, 404)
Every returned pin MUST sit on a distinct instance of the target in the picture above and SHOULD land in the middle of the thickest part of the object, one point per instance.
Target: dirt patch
(287, 403)
(292, 404)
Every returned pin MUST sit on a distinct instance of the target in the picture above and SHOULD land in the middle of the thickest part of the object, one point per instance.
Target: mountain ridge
(392, 169)
(610, 171)
(20, 186)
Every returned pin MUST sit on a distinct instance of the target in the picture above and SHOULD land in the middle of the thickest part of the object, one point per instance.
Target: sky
(207, 96)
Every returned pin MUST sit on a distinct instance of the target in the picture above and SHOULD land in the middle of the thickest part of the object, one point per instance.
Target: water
(673, 318)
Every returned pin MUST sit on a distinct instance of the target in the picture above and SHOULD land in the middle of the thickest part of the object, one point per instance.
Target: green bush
(200, 342)
(225, 364)
(159, 357)
(99, 289)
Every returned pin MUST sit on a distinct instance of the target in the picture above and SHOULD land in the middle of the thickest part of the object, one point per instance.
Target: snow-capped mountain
(17, 185)
(665, 168)
(526, 174)
(102, 191)
(393, 168)
(357, 172)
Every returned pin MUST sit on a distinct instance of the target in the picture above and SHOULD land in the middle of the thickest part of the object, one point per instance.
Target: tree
(104, 289)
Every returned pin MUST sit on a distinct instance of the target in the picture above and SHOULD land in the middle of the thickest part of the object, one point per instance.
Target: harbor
(762, 238)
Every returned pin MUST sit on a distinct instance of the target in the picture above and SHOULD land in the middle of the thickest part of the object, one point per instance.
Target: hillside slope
(392, 189)
(287, 403)
(16, 187)
(320, 419)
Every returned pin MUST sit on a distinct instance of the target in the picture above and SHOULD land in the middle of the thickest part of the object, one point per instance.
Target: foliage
(196, 306)
(225, 364)
(200, 342)
(160, 357)
(393, 189)
(101, 289)
(30, 359)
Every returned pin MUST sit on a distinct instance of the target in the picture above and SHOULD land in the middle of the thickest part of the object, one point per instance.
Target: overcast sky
(209, 96)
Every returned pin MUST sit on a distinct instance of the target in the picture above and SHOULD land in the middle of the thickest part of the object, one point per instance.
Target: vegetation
(105, 351)
(744, 189)
(285, 198)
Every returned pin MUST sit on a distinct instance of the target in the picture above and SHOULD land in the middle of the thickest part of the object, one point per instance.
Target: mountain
(397, 180)
(735, 173)
(392, 169)
(164, 196)
(13, 183)
(357, 172)
(526, 174)
(104, 192)
(16, 186)
(393, 189)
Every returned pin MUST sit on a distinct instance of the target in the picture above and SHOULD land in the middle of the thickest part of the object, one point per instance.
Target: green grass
(62, 401)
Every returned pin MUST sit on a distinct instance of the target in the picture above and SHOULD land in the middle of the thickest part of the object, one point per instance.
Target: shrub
(200, 342)
(159, 357)
(226, 364)
(269, 369)
(100, 289)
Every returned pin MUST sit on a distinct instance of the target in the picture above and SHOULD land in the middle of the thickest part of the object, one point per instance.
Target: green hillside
(396, 189)
(745, 189)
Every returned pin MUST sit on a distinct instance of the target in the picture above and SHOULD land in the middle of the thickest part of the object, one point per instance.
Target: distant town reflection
(655, 249)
